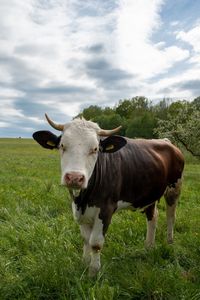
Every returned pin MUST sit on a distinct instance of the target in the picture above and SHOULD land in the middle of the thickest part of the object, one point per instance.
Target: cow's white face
(78, 148)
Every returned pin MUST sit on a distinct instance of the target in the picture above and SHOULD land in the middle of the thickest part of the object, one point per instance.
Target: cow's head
(79, 145)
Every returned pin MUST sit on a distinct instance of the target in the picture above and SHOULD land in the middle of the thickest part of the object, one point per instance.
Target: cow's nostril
(68, 178)
(74, 179)
(80, 179)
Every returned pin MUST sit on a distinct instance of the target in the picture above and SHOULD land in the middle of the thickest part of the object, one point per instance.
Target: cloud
(193, 85)
(183, 85)
(136, 53)
(59, 56)
(7, 93)
(4, 124)
(107, 75)
(191, 37)
(98, 48)
(185, 82)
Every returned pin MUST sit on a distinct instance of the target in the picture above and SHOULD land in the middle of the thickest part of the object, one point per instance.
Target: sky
(60, 56)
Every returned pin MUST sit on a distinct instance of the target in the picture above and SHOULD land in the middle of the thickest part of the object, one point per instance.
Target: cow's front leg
(86, 230)
(97, 238)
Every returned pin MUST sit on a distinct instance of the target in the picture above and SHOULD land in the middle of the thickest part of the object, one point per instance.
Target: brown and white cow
(105, 175)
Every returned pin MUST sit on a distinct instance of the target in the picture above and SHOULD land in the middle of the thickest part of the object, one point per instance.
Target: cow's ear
(112, 144)
(47, 139)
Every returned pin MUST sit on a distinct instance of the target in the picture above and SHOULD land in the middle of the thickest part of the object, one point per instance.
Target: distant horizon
(7, 137)
(46, 126)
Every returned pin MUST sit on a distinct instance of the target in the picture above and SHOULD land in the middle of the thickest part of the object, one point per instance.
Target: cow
(105, 172)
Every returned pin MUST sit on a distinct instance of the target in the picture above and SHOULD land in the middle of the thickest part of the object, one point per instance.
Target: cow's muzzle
(74, 180)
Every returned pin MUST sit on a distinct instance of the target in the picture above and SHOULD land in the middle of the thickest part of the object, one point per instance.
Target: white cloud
(174, 23)
(175, 85)
(178, 85)
(37, 36)
(137, 20)
(52, 39)
(68, 109)
(8, 110)
(191, 36)
(4, 124)
(10, 93)
(195, 59)
(35, 119)
(174, 54)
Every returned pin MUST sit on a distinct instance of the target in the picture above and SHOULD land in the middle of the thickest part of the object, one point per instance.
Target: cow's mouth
(76, 192)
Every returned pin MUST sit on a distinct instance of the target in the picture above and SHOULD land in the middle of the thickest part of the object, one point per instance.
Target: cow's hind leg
(171, 195)
(152, 216)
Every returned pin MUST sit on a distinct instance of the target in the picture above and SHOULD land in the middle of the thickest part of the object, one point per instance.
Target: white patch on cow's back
(87, 217)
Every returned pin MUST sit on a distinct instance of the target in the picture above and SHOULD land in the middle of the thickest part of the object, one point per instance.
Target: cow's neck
(85, 198)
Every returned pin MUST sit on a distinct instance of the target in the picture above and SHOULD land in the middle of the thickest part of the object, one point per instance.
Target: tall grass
(40, 244)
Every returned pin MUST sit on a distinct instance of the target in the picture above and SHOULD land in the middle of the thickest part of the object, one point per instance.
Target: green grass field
(41, 248)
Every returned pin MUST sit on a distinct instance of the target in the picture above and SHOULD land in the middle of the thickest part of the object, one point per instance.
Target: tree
(141, 126)
(125, 108)
(182, 126)
(91, 112)
(196, 102)
(128, 107)
(161, 108)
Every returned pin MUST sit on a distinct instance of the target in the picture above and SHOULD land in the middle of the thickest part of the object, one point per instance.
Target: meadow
(41, 248)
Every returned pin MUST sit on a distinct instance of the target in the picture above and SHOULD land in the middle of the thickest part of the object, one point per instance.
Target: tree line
(141, 118)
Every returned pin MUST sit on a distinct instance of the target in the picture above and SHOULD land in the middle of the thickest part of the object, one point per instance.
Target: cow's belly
(128, 205)
(87, 217)
(124, 205)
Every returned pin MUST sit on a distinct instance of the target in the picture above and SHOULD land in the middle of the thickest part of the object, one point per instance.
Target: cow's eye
(62, 147)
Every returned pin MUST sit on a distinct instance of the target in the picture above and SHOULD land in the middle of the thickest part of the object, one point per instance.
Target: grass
(41, 248)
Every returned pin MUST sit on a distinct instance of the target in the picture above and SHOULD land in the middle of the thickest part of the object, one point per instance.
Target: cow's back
(149, 166)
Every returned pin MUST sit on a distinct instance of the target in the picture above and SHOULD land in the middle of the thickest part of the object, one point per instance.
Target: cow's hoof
(93, 271)
(149, 245)
(170, 241)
